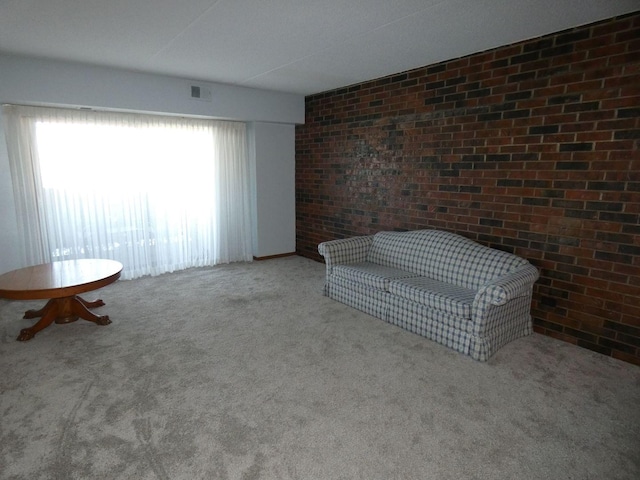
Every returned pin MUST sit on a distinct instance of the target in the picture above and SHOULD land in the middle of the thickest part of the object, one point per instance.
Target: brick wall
(531, 148)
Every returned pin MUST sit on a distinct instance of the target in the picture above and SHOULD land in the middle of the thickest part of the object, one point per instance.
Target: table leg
(80, 307)
(94, 304)
(38, 313)
(63, 310)
(46, 320)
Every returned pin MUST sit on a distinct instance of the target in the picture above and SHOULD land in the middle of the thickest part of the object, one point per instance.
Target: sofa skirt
(453, 332)
(433, 324)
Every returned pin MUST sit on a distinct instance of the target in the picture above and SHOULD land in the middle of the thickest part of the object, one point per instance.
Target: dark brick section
(531, 148)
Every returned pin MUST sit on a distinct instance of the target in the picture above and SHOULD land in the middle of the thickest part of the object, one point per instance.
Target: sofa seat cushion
(370, 274)
(442, 296)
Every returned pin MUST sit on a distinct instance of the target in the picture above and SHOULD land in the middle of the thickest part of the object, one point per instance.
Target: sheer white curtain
(156, 193)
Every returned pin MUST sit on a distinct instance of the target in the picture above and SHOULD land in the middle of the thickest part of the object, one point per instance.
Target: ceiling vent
(199, 91)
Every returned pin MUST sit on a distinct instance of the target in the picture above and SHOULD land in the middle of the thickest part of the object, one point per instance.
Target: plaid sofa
(469, 297)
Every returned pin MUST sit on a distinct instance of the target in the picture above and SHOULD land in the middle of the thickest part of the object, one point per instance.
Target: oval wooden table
(61, 282)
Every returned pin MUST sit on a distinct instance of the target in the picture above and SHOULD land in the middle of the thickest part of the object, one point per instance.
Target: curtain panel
(157, 193)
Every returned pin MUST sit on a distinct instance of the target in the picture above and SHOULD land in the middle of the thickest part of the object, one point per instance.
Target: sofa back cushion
(443, 256)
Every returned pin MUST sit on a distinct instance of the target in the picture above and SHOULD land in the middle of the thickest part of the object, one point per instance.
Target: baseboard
(269, 257)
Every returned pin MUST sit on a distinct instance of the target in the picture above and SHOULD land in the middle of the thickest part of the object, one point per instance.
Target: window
(156, 193)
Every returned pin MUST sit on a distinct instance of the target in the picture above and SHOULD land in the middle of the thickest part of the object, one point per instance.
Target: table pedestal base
(62, 310)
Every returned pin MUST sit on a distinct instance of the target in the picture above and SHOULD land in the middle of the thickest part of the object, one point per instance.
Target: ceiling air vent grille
(199, 91)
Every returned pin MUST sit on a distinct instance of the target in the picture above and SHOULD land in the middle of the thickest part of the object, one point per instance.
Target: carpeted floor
(246, 371)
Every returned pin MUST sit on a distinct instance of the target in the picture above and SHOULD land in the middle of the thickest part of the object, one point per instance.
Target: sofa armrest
(505, 303)
(346, 250)
(515, 284)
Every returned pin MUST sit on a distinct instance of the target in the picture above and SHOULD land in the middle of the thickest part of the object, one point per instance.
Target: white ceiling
(297, 46)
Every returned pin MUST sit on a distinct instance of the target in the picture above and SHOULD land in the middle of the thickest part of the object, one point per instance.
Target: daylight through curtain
(156, 193)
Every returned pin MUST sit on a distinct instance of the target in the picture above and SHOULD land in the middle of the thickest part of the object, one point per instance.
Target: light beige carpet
(246, 371)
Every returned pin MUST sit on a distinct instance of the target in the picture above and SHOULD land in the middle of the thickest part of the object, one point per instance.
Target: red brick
(632, 320)
(627, 357)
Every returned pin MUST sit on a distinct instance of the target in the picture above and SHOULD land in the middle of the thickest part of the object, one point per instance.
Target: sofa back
(443, 256)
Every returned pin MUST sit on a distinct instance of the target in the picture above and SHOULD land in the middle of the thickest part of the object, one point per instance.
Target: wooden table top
(59, 279)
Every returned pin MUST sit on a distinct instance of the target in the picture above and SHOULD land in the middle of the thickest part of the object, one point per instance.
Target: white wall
(30, 81)
(272, 154)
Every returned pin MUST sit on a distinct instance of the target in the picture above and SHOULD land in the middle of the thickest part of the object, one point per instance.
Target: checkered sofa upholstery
(471, 298)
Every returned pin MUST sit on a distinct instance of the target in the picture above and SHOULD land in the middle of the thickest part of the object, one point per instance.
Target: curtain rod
(107, 110)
